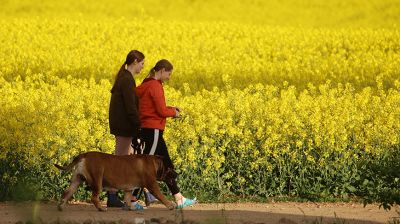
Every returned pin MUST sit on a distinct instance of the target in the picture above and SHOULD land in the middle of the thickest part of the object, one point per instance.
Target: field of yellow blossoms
(282, 99)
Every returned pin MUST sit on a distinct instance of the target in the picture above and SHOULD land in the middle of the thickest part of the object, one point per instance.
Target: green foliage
(380, 179)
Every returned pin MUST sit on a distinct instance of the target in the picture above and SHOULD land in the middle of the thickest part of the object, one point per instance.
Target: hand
(137, 142)
(138, 146)
(177, 114)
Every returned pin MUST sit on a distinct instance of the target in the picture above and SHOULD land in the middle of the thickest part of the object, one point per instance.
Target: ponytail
(152, 72)
(161, 64)
(130, 58)
(121, 70)
(123, 67)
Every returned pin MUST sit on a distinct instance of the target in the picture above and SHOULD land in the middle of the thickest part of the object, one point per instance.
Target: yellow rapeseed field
(287, 98)
(204, 54)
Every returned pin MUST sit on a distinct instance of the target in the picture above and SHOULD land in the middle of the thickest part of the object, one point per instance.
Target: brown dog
(101, 170)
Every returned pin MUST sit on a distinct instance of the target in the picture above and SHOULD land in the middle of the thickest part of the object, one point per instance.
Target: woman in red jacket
(153, 115)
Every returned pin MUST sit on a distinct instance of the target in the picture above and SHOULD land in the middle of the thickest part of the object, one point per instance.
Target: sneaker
(187, 202)
(113, 201)
(149, 198)
(136, 206)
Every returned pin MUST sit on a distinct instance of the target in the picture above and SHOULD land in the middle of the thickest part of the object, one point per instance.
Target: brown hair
(161, 64)
(130, 58)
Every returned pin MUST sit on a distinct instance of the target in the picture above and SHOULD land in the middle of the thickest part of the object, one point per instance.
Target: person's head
(162, 70)
(134, 64)
(134, 61)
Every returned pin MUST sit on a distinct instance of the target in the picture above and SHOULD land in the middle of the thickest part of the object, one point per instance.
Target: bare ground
(228, 213)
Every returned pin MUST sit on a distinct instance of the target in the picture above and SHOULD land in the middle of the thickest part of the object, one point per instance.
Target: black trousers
(155, 145)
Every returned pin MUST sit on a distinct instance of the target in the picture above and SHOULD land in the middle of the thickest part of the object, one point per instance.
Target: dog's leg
(155, 190)
(75, 182)
(96, 201)
(127, 199)
(96, 190)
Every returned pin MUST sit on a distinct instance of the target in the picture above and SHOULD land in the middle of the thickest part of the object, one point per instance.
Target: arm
(128, 95)
(157, 94)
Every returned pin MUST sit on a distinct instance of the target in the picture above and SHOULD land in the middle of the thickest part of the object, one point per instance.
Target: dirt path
(281, 213)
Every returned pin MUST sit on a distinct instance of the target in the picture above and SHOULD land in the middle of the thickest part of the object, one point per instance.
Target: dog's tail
(72, 164)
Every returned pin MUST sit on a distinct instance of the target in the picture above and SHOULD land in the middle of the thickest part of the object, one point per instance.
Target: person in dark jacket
(124, 113)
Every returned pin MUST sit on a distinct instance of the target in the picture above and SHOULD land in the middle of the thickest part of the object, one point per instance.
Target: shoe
(113, 201)
(187, 202)
(149, 198)
(136, 206)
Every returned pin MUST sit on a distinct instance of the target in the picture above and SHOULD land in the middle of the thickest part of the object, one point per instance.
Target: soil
(228, 213)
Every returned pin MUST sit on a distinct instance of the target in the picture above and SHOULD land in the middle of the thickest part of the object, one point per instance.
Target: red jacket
(153, 111)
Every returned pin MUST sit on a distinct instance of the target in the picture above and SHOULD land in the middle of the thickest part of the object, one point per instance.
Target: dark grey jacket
(124, 106)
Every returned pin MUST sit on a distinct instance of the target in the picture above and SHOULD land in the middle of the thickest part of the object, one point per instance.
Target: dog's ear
(160, 166)
(160, 161)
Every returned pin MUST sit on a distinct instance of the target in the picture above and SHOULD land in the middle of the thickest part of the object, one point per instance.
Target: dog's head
(164, 173)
